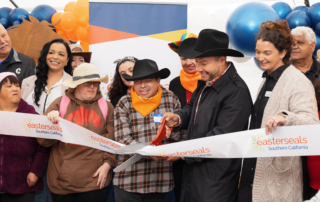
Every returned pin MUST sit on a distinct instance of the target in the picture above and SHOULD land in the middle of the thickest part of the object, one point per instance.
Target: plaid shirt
(146, 175)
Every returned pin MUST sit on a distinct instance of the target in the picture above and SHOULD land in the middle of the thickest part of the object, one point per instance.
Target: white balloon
(239, 60)
(220, 19)
(198, 19)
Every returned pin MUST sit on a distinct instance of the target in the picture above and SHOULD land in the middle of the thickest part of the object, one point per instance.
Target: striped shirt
(146, 175)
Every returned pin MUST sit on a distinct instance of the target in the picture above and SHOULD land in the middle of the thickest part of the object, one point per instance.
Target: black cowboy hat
(146, 69)
(210, 43)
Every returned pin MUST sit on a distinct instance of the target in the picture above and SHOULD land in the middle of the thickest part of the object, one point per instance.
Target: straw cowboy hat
(146, 69)
(84, 73)
(209, 43)
(77, 50)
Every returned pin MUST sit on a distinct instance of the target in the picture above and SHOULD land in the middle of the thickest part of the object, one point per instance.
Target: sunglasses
(88, 84)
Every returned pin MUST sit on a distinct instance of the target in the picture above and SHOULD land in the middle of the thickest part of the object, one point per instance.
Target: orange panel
(101, 34)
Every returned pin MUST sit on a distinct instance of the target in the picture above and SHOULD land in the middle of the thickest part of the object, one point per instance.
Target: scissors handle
(161, 134)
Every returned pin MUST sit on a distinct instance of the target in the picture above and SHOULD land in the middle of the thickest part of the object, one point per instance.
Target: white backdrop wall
(203, 14)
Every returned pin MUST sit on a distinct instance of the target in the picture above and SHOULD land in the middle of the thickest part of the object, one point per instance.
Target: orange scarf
(145, 105)
(189, 81)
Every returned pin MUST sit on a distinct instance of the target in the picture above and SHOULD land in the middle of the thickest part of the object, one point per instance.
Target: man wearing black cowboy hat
(137, 117)
(220, 104)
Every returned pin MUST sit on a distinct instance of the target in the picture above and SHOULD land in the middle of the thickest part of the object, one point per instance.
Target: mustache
(4, 45)
(145, 88)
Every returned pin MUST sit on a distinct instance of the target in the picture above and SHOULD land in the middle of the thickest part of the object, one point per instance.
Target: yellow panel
(169, 36)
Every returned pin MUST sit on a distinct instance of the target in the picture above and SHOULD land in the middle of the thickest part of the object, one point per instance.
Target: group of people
(208, 98)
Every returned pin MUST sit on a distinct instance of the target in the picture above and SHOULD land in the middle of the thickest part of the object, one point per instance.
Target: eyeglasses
(88, 84)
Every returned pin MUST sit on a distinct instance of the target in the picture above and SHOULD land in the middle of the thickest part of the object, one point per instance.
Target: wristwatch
(284, 114)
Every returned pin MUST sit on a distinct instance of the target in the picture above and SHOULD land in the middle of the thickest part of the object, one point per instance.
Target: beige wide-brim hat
(84, 73)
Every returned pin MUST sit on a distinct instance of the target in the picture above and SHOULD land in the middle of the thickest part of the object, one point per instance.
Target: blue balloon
(244, 23)
(317, 45)
(5, 23)
(283, 9)
(257, 63)
(301, 8)
(314, 14)
(16, 13)
(4, 12)
(298, 18)
(317, 29)
(43, 12)
(21, 17)
(16, 22)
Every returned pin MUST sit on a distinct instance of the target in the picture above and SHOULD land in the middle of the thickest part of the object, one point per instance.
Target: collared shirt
(46, 97)
(4, 63)
(146, 175)
(311, 74)
(264, 94)
(249, 164)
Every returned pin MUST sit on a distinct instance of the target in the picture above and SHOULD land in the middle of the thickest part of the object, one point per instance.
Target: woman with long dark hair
(120, 86)
(43, 88)
(54, 67)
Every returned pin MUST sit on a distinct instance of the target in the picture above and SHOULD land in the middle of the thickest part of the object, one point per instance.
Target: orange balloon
(81, 8)
(83, 21)
(69, 21)
(72, 36)
(55, 19)
(85, 46)
(70, 6)
(62, 33)
(82, 34)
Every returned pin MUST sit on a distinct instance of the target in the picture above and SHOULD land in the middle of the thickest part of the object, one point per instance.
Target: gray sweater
(280, 178)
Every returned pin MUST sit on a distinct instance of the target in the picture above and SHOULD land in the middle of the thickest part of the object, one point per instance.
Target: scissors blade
(132, 147)
(128, 163)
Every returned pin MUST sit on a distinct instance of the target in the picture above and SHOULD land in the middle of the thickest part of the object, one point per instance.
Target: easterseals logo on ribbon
(201, 152)
(31, 127)
(273, 144)
(102, 142)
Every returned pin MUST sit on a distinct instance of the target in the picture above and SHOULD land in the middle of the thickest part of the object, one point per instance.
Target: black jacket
(177, 88)
(21, 65)
(224, 107)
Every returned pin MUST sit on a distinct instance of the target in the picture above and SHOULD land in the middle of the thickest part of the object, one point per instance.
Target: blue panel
(140, 19)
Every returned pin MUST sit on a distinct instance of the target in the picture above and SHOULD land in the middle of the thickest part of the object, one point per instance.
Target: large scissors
(155, 142)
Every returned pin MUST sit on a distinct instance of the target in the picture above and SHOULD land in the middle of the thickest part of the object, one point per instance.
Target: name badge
(157, 117)
(268, 94)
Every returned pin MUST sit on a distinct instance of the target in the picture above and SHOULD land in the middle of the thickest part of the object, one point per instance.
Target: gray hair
(306, 32)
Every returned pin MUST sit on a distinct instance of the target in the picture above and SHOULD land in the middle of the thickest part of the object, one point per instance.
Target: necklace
(47, 92)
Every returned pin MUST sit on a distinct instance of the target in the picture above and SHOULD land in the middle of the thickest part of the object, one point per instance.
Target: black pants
(124, 196)
(177, 170)
(90, 196)
(312, 192)
(27, 197)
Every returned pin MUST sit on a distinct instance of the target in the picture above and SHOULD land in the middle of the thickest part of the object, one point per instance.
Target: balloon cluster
(73, 23)
(10, 17)
(301, 16)
(244, 23)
